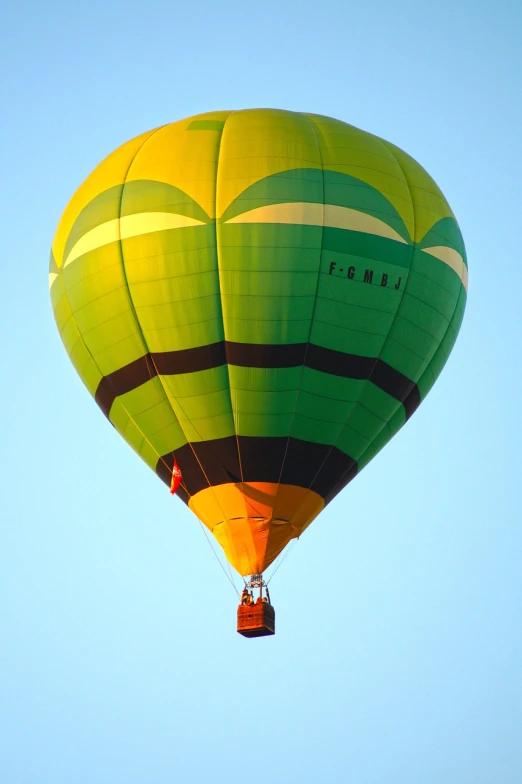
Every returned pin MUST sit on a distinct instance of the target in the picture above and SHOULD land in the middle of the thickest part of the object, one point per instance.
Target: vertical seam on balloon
(232, 408)
(217, 240)
(368, 380)
(462, 294)
(387, 423)
(116, 400)
(131, 302)
(397, 312)
(147, 352)
(292, 521)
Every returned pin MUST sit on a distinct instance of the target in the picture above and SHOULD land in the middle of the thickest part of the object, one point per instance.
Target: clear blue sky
(398, 654)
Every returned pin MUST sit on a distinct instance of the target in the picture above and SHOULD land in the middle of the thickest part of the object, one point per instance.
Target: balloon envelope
(265, 297)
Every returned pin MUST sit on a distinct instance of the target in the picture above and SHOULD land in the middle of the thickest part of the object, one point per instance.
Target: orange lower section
(254, 521)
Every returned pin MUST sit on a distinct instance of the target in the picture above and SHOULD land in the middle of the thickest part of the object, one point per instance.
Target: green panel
(201, 402)
(149, 196)
(136, 197)
(154, 420)
(428, 202)
(323, 409)
(346, 191)
(269, 425)
(240, 248)
(401, 358)
(175, 251)
(144, 415)
(318, 431)
(259, 308)
(276, 284)
(446, 232)
(149, 455)
(142, 400)
(354, 291)
(435, 270)
(423, 315)
(329, 386)
(352, 443)
(103, 208)
(306, 185)
(69, 332)
(173, 281)
(150, 450)
(296, 185)
(365, 422)
(347, 340)
(265, 379)
(262, 301)
(379, 402)
(61, 308)
(382, 438)
(96, 289)
(441, 355)
(364, 156)
(93, 274)
(168, 292)
(375, 322)
(253, 239)
(88, 298)
(437, 297)
(263, 401)
(293, 330)
(368, 246)
(85, 365)
(158, 317)
(183, 336)
(207, 428)
(412, 337)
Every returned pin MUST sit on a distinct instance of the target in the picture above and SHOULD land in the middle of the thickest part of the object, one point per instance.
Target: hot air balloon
(258, 301)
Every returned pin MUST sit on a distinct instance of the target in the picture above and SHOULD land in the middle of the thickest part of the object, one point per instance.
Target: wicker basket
(256, 620)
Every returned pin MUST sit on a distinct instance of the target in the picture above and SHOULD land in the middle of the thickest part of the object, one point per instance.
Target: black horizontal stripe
(166, 363)
(412, 401)
(319, 467)
(192, 360)
(263, 355)
(125, 379)
(381, 374)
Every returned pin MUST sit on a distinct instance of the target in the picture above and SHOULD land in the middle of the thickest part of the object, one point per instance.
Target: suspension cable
(228, 576)
(284, 555)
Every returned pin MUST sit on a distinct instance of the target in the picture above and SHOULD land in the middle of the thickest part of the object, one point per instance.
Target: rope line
(229, 577)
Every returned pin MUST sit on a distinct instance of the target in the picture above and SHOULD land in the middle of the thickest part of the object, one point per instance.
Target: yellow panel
(184, 158)
(124, 228)
(111, 171)
(452, 259)
(367, 157)
(310, 214)
(257, 143)
(430, 203)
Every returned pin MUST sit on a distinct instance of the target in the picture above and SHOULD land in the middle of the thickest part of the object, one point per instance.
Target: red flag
(176, 477)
